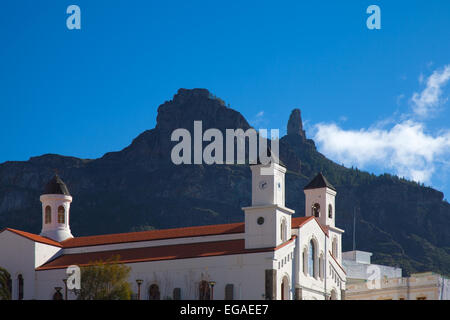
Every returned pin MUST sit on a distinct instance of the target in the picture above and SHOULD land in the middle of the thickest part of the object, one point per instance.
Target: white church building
(269, 256)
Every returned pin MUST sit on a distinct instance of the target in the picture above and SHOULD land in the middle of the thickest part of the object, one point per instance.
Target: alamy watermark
(73, 277)
(258, 150)
(374, 277)
(374, 20)
(74, 20)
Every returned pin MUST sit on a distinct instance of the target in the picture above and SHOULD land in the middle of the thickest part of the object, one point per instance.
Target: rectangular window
(229, 288)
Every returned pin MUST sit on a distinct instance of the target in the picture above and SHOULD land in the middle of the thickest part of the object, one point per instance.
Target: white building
(368, 281)
(359, 268)
(269, 256)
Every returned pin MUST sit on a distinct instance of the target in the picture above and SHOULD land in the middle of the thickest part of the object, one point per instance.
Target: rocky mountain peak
(190, 105)
(295, 124)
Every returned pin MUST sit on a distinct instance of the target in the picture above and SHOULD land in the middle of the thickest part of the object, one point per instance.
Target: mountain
(403, 223)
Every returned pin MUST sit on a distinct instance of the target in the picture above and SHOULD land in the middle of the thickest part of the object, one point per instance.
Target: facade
(269, 256)
(367, 281)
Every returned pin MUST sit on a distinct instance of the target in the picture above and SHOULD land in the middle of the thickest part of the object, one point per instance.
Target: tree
(5, 284)
(105, 280)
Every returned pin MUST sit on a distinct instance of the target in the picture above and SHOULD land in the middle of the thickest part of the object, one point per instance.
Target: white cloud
(400, 143)
(399, 99)
(259, 119)
(425, 102)
(421, 78)
(406, 148)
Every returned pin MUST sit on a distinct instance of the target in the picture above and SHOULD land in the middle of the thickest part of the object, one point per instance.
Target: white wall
(17, 255)
(269, 233)
(246, 272)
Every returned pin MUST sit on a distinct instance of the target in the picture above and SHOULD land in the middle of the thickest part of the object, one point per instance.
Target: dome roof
(56, 186)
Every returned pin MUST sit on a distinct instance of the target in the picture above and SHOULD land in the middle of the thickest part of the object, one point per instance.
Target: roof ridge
(33, 237)
(155, 230)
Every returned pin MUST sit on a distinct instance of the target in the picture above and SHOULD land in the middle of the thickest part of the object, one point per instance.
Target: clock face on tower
(263, 185)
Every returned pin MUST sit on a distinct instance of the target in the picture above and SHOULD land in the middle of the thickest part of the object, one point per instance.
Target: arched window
(20, 287)
(153, 292)
(61, 214)
(204, 292)
(48, 215)
(305, 261)
(316, 210)
(334, 247)
(321, 267)
(330, 211)
(283, 230)
(311, 258)
(333, 295)
(285, 288)
(58, 295)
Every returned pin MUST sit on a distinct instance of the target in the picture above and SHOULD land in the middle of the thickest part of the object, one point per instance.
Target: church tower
(55, 210)
(320, 200)
(267, 221)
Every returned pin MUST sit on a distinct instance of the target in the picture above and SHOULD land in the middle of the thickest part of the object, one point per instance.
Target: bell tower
(320, 200)
(267, 221)
(56, 202)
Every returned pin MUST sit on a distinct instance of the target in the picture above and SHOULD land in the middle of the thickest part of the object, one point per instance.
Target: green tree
(5, 284)
(105, 280)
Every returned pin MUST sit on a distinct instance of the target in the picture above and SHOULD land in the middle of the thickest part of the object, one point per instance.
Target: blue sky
(375, 99)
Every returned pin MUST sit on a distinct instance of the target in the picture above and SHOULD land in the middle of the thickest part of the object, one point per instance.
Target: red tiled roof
(170, 252)
(155, 235)
(300, 221)
(34, 237)
(162, 234)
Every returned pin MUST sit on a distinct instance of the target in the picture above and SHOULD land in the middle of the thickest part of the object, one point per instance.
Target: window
(334, 247)
(58, 295)
(283, 230)
(153, 292)
(330, 211)
(177, 294)
(229, 288)
(61, 214)
(316, 210)
(305, 261)
(333, 295)
(285, 288)
(204, 291)
(20, 287)
(311, 258)
(321, 268)
(48, 215)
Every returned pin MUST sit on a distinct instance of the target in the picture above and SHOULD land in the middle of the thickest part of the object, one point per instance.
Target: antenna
(354, 228)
